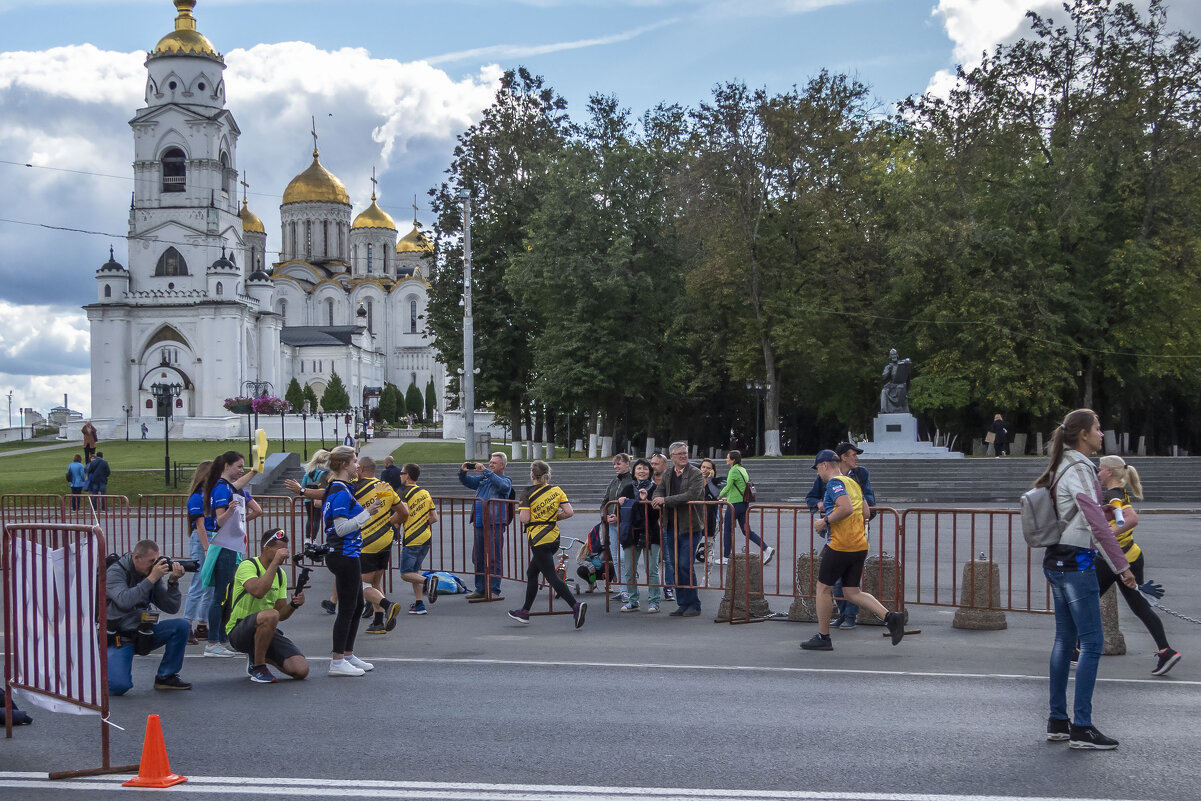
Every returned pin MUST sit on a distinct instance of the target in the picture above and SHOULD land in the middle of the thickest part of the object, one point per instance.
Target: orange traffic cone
(154, 769)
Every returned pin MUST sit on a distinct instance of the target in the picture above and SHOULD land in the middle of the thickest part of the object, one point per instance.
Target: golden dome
(185, 39)
(316, 185)
(374, 217)
(250, 220)
(414, 242)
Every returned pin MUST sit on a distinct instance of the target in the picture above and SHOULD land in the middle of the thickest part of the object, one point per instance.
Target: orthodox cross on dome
(245, 186)
(314, 133)
(374, 183)
(414, 211)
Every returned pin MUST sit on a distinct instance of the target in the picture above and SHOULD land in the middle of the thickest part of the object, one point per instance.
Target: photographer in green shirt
(260, 601)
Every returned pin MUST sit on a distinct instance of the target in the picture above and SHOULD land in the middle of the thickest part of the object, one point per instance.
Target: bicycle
(561, 559)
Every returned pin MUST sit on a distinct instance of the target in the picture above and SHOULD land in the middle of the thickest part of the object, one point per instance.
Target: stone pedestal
(743, 598)
(895, 436)
(1115, 643)
(980, 589)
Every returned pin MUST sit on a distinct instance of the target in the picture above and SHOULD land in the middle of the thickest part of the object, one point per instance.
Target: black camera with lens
(313, 552)
(188, 565)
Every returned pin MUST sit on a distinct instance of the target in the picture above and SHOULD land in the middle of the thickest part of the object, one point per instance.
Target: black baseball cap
(826, 455)
(843, 447)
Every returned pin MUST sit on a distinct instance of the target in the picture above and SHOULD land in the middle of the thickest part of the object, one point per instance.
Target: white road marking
(748, 669)
(473, 791)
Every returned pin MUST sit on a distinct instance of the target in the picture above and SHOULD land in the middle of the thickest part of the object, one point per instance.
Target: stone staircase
(1168, 480)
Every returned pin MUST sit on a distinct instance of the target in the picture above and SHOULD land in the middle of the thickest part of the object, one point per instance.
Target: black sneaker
(1088, 737)
(520, 615)
(1058, 729)
(431, 589)
(390, 616)
(895, 623)
(1166, 660)
(818, 642)
(368, 611)
(172, 682)
(330, 606)
(578, 613)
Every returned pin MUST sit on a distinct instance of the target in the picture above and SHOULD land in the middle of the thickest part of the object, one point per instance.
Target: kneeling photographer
(258, 601)
(134, 583)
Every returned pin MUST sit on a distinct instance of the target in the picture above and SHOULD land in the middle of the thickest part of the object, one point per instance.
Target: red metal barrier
(164, 519)
(54, 617)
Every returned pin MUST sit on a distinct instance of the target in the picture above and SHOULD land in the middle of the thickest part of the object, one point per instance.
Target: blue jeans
(630, 561)
(172, 633)
(199, 598)
(1077, 619)
(495, 558)
(682, 545)
(223, 575)
(727, 537)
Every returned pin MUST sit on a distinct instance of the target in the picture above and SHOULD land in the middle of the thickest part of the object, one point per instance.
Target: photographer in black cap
(135, 583)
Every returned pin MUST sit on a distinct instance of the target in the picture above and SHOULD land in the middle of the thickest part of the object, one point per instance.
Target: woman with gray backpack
(1070, 565)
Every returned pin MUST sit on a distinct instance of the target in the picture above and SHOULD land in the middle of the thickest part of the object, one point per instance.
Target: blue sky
(391, 84)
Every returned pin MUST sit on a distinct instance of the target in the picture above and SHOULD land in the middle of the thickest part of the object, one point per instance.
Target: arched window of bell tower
(227, 181)
(171, 263)
(175, 170)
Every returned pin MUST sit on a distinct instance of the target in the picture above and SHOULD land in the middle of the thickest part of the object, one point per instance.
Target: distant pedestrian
(76, 480)
(1000, 442)
(89, 441)
(1120, 482)
(540, 509)
(1071, 568)
(145, 430)
(97, 477)
(844, 556)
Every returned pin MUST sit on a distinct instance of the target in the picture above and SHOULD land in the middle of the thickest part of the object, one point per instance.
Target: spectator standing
(89, 441)
(1071, 568)
(342, 517)
(415, 542)
(1120, 481)
(225, 524)
(76, 479)
(713, 485)
(843, 557)
(659, 469)
(640, 534)
(1000, 443)
(391, 474)
(540, 509)
(612, 547)
(97, 472)
(489, 482)
(200, 597)
(735, 493)
(683, 525)
(134, 583)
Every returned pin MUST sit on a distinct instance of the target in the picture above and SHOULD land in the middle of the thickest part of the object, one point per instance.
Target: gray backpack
(1041, 524)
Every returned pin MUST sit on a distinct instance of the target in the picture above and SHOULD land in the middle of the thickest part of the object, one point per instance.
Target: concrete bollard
(1115, 643)
(981, 589)
(880, 579)
(744, 589)
(805, 592)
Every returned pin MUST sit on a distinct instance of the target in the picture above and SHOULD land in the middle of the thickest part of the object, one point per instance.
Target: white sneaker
(630, 608)
(359, 663)
(219, 650)
(341, 667)
(768, 554)
(653, 609)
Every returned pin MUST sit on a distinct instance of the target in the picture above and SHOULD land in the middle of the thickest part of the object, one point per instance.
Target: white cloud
(65, 111)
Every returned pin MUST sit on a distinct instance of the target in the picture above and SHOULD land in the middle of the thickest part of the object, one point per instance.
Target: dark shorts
(411, 557)
(845, 565)
(371, 562)
(241, 637)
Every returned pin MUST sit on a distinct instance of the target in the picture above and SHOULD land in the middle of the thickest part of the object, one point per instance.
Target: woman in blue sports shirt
(199, 597)
(225, 525)
(341, 518)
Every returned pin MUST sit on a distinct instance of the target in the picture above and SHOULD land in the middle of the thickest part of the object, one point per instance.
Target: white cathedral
(200, 306)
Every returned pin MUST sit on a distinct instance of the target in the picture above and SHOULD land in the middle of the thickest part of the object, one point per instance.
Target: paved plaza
(466, 704)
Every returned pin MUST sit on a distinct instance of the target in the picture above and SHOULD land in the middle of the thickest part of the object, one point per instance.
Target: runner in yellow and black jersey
(540, 508)
(415, 543)
(378, 534)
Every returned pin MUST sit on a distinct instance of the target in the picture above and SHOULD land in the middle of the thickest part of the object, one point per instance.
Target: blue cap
(825, 456)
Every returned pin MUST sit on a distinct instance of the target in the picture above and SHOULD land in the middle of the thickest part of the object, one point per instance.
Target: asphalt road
(465, 703)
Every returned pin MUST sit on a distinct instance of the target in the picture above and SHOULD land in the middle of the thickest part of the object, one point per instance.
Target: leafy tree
(295, 395)
(413, 401)
(335, 398)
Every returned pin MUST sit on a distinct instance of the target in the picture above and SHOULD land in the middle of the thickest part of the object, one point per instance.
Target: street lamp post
(468, 381)
(10, 408)
(128, 410)
(321, 420)
(304, 428)
(165, 395)
(758, 387)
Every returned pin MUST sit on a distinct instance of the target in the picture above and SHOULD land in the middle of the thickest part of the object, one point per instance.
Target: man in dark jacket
(683, 525)
(621, 480)
(97, 473)
(132, 584)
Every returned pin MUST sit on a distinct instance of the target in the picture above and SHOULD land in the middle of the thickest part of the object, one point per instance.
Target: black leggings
(542, 560)
(348, 582)
(1134, 598)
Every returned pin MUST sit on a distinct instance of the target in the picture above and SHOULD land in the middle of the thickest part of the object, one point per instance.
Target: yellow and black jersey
(543, 502)
(377, 532)
(1126, 538)
(417, 527)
